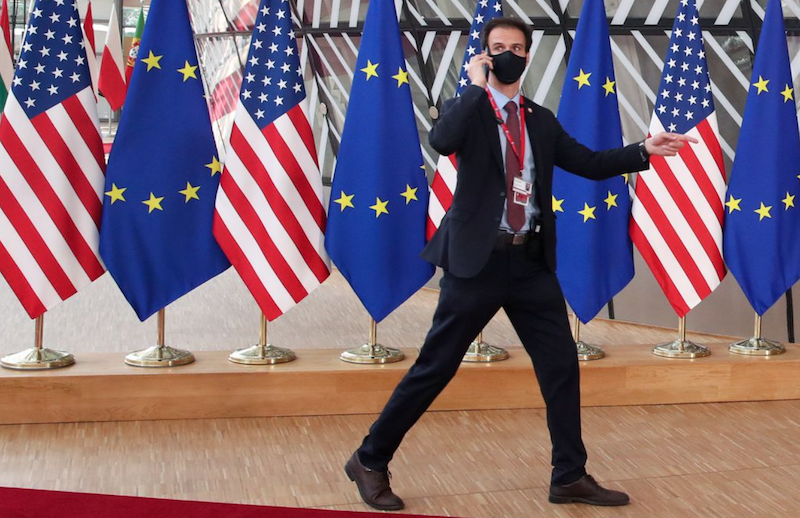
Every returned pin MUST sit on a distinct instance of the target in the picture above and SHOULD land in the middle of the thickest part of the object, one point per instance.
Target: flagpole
(586, 352)
(482, 352)
(263, 353)
(372, 352)
(37, 357)
(159, 355)
(757, 345)
(681, 348)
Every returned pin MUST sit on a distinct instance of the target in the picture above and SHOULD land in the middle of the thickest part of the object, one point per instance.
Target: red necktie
(516, 212)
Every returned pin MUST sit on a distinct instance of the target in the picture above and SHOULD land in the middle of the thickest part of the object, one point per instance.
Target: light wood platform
(731, 460)
(101, 388)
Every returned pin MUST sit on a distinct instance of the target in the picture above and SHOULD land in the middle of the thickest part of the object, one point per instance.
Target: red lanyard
(521, 153)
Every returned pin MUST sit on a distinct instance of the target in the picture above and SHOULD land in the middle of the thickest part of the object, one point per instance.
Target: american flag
(677, 211)
(51, 164)
(444, 181)
(269, 219)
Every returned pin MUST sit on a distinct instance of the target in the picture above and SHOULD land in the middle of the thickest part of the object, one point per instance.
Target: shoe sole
(374, 506)
(577, 500)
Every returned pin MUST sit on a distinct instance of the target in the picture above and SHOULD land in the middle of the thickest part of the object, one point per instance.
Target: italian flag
(6, 59)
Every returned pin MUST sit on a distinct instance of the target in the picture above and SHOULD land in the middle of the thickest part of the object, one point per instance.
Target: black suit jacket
(468, 127)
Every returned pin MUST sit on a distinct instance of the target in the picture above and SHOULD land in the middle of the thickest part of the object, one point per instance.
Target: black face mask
(508, 67)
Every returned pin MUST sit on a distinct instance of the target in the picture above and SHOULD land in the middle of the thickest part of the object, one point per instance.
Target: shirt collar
(501, 99)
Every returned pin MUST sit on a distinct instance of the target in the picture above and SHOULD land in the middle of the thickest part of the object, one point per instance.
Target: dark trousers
(532, 299)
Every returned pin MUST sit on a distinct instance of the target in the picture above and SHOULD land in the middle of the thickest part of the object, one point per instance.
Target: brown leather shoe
(373, 486)
(586, 491)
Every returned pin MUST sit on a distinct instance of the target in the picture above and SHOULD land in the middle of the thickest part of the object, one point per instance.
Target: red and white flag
(269, 219)
(678, 208)
(112, 66)
(51, 165)
(91, 49)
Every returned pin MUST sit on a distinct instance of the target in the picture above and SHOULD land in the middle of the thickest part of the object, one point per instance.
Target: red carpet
(31, 503)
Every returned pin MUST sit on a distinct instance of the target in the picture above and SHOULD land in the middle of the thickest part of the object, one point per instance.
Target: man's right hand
(476, 71)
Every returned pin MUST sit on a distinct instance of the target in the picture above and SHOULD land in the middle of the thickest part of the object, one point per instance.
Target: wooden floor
(712, 460)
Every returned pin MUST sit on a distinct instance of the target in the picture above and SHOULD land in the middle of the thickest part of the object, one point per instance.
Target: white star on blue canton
(692, 86)
(273, 50)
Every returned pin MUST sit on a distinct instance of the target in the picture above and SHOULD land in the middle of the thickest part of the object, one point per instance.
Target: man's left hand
(667, 144)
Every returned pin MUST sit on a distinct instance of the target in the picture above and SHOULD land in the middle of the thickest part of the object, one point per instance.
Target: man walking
(497, 246)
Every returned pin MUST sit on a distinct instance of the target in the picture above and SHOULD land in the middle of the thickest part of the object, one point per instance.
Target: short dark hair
(512, 23)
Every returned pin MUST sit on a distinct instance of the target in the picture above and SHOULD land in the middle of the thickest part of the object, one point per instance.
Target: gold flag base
(588, 352)
(372, 353)
(261, 355)
(159, 356)
(481, 352)
(757, 347)
(37, 359)
(683, 349)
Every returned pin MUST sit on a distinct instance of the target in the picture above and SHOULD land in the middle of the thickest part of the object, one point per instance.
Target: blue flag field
(595, 254)
(163, 172)
(379, 197)
(762, 219)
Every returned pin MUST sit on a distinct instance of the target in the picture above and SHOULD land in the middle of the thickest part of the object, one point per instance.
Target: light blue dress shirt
(528, 171)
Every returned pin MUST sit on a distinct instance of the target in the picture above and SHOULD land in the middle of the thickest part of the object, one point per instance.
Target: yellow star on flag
(153, 203)
(557, 205)
(402, 77)
(627, 178)
(345, 201)
(215, 166)
(116, 193)
(587, 212)
(582, 79)
(763, 212)
(733, 204)
(609, 86)
(788, 200)
(188, 71)
(788, 94)
(611, 200)
(152, 61)
(379, 207)
(761, 85)
(190, 192)
(371, 70)
(410, 194)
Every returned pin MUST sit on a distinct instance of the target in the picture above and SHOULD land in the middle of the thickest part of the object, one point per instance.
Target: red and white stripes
(442, 189)
(269, 217)
(677, 217)
(51, 182)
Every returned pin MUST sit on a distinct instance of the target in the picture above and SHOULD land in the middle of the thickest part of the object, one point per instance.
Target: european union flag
(379, 197)
(762, 224)
(592, 216)
(163, 172)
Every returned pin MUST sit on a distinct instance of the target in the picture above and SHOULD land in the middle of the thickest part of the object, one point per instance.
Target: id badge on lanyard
(518, 151)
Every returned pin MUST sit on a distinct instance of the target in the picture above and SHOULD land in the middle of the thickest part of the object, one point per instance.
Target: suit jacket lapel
(490, 125)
